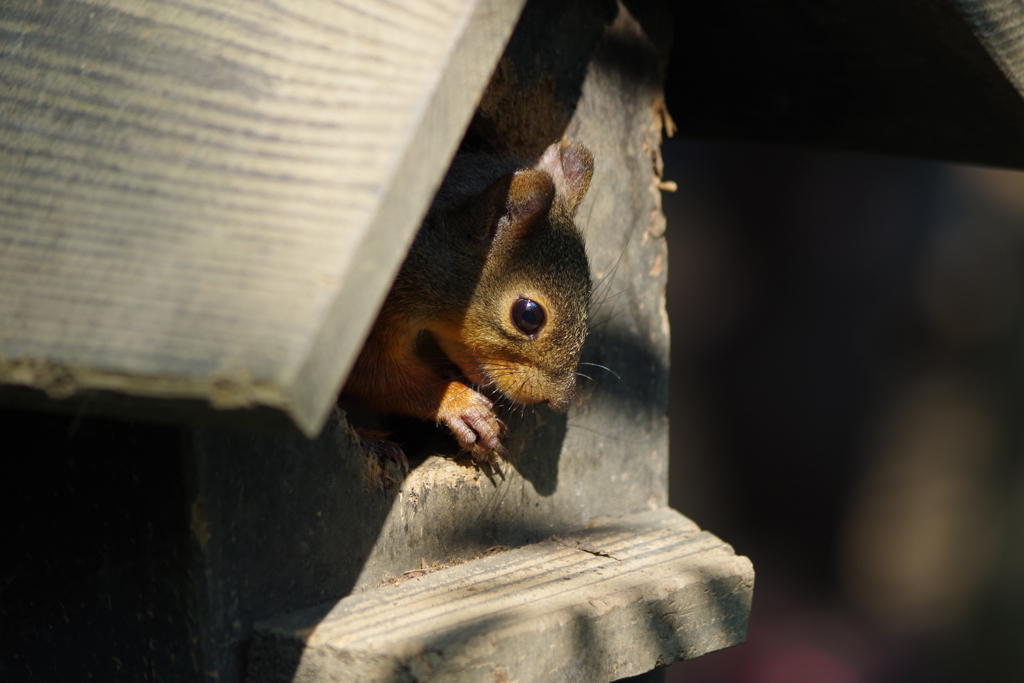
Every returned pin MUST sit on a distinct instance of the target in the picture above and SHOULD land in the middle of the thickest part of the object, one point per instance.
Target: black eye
(528, 316)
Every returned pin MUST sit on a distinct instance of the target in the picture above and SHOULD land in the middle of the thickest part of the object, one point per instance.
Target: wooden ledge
(608, 602)
(206, 202)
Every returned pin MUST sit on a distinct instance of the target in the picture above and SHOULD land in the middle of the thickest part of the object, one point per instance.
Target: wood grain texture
(295, 522)
(999, 27)
(598, 605)
(208, 200)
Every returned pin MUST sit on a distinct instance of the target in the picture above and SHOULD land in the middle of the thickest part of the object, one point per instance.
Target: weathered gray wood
(289, 522)
(279, 522)
(601, 604)
(999, 27)
(905, 78)
(208, 200)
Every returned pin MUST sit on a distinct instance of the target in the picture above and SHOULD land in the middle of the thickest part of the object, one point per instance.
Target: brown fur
(498, 230)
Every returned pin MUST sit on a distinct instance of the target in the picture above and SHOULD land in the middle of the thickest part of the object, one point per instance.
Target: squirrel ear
(517, 202)
(529, 198)
(570, 165)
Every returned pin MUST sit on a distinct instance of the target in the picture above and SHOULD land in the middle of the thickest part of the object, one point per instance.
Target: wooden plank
(999, 27)
(601, 604)
(278, 522)
(909, 78)
(207, 199)
(290, 522)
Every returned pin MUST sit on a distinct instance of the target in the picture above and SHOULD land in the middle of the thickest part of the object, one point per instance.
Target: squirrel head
(526, 321)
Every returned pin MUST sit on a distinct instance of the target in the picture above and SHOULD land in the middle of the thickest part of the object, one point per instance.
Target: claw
(377, 443)
(483, 454)
(471, 419)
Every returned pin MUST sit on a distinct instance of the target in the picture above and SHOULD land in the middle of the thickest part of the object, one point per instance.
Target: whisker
(601, 302)
(615, 266)
(603, 367)
(576, 425)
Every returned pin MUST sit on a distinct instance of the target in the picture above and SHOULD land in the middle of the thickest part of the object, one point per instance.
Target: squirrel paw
(471, 419)
(377, 444)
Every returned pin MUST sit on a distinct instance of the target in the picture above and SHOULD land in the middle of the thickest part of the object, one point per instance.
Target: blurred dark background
(847, 376)
(847, 332)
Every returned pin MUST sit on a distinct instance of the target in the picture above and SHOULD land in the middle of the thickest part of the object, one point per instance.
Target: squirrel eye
(528, 316)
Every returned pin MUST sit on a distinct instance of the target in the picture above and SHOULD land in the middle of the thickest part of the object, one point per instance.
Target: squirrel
(492, 300)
